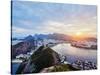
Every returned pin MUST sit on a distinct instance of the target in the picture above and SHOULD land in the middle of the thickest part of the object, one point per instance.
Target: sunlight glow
(78, 33)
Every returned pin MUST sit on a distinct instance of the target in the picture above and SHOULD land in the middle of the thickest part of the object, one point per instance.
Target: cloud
(38, 17)
(56, 27)
(19, 30)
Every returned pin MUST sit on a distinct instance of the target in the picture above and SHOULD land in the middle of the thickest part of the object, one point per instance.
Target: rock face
(55, 36)
(44, 57)
(22, 48)
(29, 38)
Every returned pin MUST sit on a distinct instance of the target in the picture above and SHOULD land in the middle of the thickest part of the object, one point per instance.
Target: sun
(78, 33)
(78, 36)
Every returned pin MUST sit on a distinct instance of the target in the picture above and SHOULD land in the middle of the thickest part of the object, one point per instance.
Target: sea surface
(15, 42)
(73, 53)
(14, 67)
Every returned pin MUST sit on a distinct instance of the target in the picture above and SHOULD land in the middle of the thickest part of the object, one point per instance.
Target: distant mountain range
(55, 36)
(29, 38)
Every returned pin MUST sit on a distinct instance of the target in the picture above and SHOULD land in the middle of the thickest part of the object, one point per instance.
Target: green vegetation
(63, 67)
(43, 58)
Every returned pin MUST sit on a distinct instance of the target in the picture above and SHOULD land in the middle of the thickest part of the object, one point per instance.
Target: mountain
(56, 36)
(29, 38)
(59, 36)
(22, 48)
(43, 58)
(42, 36)
(14, 38)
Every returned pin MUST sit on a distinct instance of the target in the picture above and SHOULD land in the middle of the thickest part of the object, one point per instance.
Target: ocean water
(14, 67)
(74, 53)
(15, 42)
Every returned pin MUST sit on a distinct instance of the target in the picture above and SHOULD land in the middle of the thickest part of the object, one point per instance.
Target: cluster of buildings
(25, 56)
(85, 44)
(80, 64)
(84, 65)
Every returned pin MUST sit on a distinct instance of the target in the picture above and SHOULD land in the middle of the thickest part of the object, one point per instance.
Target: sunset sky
(44, 18)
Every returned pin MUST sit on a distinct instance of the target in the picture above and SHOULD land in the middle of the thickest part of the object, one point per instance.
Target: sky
(29, 18)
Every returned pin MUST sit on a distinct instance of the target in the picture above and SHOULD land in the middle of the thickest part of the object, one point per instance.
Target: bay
(74, 53)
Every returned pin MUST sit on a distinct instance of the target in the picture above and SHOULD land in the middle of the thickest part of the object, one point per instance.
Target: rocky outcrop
(29, 38)
(42, 58)
(22, 48)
